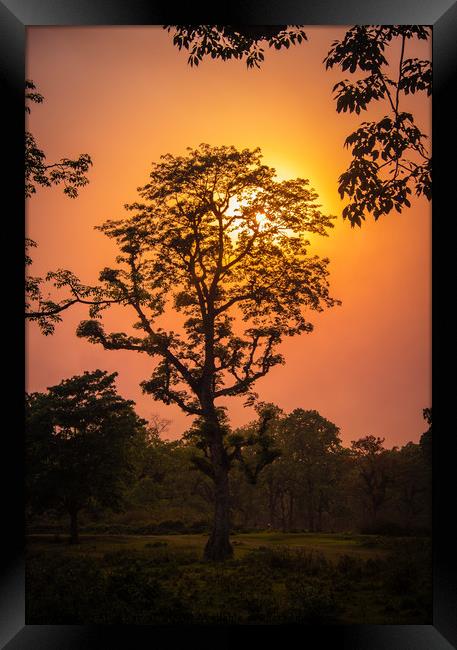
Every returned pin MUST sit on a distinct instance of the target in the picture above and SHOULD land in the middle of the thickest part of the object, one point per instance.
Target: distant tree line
(90, 458)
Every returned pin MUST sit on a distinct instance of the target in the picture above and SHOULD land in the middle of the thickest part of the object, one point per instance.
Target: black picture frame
(15, 16)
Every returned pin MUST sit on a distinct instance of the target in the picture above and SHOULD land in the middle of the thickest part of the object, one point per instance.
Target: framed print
(248, 204)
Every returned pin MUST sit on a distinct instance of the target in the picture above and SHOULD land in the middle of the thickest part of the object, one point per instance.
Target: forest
(147, 484)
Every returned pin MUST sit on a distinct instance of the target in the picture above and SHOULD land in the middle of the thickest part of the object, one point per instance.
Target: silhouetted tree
(38, 172)
(410, 482)
(234, 41)
(219, 240)
(306, 474)
(390, 156)
(372, 466)
(426, 438)
(81, 438)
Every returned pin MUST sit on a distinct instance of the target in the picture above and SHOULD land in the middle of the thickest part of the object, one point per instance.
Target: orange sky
(126, 96)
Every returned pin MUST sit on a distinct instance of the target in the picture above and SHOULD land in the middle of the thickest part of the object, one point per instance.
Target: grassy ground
(273, 577)
(330, 545)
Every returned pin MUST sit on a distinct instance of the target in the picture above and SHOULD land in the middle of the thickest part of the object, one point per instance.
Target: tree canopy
(216, 232)
(80, 442)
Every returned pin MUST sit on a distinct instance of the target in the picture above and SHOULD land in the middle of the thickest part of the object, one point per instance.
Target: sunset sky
(126, 95)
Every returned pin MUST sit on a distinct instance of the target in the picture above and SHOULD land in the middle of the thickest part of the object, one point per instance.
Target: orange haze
(126, 96)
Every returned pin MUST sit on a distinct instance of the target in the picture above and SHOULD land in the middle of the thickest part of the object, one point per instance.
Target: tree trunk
(311, 520)
(291, 510)
(272, 506)
(283, 513)
(218, 546)
(74, 532)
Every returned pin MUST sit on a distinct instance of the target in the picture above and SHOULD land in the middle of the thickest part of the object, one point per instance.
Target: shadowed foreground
(273, 578)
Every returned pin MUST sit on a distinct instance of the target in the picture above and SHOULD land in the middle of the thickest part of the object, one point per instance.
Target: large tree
(218, 239)
(303, 481)
(391, 156)
(82, 443)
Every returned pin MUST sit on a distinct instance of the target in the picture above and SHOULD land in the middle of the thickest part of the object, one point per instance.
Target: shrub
(310, 563)
(64, 590)
(135, 597)
(309, 602)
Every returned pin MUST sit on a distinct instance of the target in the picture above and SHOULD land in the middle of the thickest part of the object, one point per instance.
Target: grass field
(273, 577)
(332, 546)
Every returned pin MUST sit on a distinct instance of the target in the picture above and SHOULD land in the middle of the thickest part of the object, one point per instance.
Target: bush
(171, 526)
(310, 563)
(160, 557)
(135, 597)
(309, 602)
(200, 526)
(350, 568)
(160, 584)
(76, 591)
(391, 529)
(229, 594)
(64, 590)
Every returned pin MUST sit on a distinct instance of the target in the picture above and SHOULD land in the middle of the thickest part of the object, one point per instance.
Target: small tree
(218, 239)
(81, 439)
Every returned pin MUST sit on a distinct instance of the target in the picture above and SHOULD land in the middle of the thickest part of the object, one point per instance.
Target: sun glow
(235, 209)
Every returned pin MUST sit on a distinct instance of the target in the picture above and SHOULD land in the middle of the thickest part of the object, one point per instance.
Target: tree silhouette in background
(80, 445)
(308, 467)
(72, 174)
(221, 242)
(426, 437)
(390, 157)
(373, 467)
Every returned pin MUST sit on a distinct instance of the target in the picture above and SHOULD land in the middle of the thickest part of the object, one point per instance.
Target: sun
(235, 209)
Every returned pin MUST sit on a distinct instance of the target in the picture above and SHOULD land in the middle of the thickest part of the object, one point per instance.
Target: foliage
(314, 484)
(390, 156)
(373, 470)
(39, 308)
(46, 311)
(280, 585)
(69, 172)
(307, 472)
(186, 247)
(426, 437)
(252, 447)
(234, 41)
(81, 439)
